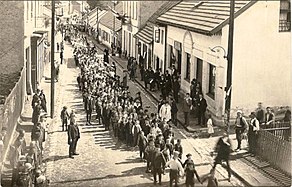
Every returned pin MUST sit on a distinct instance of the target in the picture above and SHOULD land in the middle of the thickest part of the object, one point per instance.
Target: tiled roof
(108, 19)
(145, 33)
(164, 8)
(206, 17)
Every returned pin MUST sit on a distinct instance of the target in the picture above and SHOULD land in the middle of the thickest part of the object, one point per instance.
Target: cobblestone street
(103, 161)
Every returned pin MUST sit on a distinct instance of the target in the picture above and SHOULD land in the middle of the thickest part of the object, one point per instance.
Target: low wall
(11, 111)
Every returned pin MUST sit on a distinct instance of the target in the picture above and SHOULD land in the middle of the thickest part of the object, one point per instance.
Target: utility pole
(97, 27)
(229, 64)
(53, 60)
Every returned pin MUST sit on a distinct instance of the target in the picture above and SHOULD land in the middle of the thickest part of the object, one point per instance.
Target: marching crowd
(107, 100)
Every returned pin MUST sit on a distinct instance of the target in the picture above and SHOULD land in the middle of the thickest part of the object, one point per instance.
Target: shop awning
(146, 33)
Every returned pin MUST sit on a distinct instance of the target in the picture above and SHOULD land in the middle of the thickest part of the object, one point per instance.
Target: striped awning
(146, 33)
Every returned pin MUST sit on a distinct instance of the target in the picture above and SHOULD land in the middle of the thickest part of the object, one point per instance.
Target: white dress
(210, 126)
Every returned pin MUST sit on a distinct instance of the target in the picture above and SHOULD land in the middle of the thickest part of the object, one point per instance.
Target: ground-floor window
(188, 67)
(212, 78)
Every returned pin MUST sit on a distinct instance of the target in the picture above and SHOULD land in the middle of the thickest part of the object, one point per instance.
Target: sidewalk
(249, 169)
(24, 121)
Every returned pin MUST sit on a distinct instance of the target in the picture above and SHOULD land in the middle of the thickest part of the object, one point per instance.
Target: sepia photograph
(178, 93)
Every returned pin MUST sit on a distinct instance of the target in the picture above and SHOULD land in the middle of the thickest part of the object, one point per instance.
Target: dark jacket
(73, 132)
(202, 105)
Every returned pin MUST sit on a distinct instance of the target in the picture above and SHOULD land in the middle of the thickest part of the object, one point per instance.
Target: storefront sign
(177, 45)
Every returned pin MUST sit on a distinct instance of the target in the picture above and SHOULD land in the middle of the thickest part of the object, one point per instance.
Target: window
(212, 78)
(135, 10)
(157, 35)
(188, 66)
(285, 16)
(162, 35)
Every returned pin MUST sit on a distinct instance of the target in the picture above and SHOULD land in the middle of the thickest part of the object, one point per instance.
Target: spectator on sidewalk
(210, 125)
(42, 97)
(176, 88)
(269, 117)
(222, 149)
(35, 98)
(253, 129)
(260, 113)
(61, 57)
(36, 113)
(202, 106)
(174, 111)
(187, 104)
(64, 118)
(240, 128)
(73, 137)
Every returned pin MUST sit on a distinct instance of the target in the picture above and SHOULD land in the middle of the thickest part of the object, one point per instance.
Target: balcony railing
(284, 26)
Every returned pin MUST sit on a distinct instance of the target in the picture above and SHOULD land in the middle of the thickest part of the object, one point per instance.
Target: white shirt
(256, 123)
(174, 164)
(165, 112)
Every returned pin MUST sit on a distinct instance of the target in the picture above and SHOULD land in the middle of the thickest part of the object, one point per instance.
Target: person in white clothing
(176, 169)
(253, 129)
(165, 111)
(210, 125)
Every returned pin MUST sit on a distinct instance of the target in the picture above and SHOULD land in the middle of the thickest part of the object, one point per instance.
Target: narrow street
(103, 161)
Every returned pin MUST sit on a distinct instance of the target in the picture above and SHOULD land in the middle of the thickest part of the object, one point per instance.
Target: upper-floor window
(188, 67)
(162, 36)
(285, 16)
(212, 79)
(135, 10)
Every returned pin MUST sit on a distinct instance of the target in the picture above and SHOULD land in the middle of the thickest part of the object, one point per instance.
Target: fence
(274, 149)
(280, 129)
(12, 110)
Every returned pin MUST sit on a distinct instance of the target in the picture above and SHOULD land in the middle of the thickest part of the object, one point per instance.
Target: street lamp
(229, 66)
(213, 50)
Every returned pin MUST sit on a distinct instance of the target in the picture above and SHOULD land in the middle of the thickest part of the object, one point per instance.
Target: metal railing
(272, 146)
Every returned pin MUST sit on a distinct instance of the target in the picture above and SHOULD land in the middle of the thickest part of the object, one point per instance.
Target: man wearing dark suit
(158, 162)
(73, 137)
(202, 106)
(187, 103)
(89, 104)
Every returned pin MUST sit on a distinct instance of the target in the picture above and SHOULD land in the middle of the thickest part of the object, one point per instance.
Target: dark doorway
(199, 70)
(179, 62)
(157, 63)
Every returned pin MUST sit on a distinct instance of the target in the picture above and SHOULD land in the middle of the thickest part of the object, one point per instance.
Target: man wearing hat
(158, 162)
(73, 137)
(190, 171)
(240, 127)
(254, 127)
(64, 117)
(175, 169)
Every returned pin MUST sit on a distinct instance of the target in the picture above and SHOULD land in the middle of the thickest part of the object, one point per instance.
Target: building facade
(191, 34)
(138, 13)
